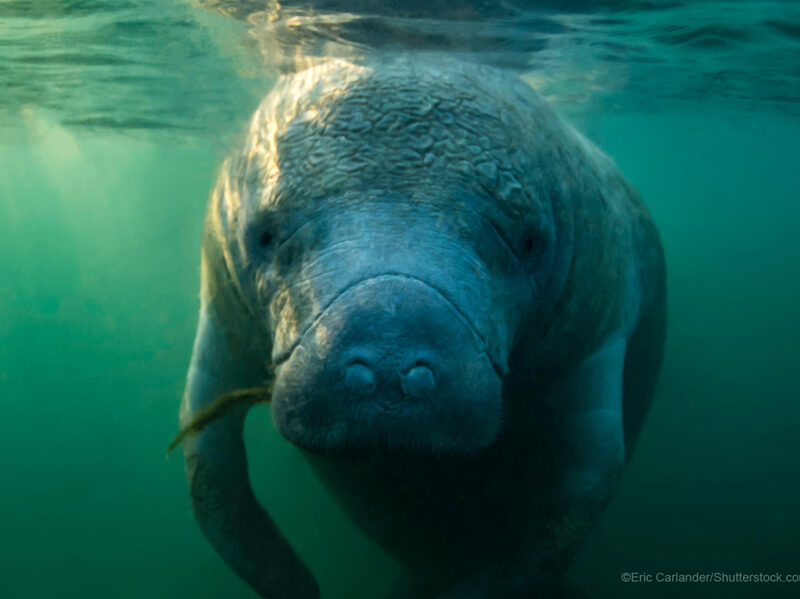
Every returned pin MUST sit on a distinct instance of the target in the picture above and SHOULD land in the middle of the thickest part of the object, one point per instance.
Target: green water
(99, 279)
(99, 255)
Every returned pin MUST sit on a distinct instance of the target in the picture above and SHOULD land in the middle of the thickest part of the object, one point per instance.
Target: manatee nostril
(419, 381)
(359, 379)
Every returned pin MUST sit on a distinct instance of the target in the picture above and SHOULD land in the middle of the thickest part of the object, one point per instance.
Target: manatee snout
(391, 363)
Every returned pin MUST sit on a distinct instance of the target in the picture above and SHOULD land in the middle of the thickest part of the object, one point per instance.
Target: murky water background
(113, 118)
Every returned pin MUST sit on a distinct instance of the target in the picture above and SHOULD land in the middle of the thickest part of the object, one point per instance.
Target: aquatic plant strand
(224, 403)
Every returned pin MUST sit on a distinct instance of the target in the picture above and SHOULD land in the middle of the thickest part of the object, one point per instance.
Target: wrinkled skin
(460, 303)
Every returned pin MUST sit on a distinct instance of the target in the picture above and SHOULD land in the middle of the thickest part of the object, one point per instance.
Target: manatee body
(460, 305)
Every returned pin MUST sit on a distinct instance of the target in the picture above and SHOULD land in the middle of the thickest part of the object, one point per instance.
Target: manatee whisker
(222, 405)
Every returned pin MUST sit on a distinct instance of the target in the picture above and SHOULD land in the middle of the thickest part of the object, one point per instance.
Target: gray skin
(460, 303)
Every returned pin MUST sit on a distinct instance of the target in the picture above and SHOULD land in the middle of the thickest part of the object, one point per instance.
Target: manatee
(458, 304)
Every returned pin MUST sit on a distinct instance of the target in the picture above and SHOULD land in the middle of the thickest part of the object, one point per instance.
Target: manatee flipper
(223, 500)
(593, 442)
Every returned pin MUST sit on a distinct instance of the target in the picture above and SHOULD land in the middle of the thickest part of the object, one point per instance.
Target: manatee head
(391, 232)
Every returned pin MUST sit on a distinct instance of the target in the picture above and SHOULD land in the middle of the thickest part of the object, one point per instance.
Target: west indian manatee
(459, 306)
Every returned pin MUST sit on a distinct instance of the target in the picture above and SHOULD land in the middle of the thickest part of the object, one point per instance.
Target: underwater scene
(394, 253)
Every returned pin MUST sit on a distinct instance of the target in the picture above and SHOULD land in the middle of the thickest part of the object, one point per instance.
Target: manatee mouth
(390, 363)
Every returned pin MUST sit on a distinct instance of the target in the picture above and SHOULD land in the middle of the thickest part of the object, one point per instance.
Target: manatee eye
(261, 242)
(265, 240)
(529, 243)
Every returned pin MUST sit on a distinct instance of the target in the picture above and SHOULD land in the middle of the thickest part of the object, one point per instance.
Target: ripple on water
(176, 69)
